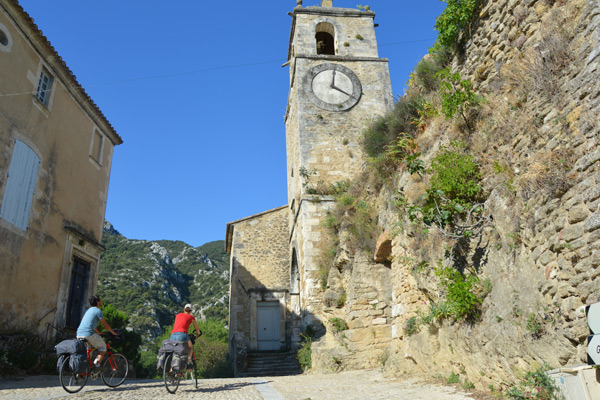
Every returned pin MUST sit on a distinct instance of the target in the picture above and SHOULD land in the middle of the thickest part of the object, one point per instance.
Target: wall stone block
(546, 257)
(573, 232)
(577, 214)
(593, 222)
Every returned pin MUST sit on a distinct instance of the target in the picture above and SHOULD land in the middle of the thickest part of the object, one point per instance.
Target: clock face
(332, 87)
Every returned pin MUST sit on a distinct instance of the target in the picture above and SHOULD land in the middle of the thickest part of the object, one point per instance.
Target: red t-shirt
(182, 322)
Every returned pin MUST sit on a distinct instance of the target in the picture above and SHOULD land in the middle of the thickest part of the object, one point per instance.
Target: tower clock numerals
(333, 87)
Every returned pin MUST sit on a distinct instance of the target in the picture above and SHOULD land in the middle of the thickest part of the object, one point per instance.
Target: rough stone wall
(536, 140)
(260, 250)
(541, 252)
(259, 269)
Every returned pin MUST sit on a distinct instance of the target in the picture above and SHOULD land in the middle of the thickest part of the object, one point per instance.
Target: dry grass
(539, 68)
(547, 173)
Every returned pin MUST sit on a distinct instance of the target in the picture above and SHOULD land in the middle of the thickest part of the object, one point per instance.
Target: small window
(18, 195)
(97, 145)
(5, 39)
(44, 87)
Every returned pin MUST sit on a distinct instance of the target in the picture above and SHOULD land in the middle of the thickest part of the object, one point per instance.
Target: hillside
(152, 280)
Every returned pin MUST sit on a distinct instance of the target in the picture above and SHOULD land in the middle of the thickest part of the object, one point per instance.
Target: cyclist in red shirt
(182, 325)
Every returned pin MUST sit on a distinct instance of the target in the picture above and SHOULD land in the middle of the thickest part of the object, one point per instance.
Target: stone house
(337, 84)
(56, 150)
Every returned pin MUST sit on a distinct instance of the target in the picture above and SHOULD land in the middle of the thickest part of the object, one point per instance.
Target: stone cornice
(334, 12)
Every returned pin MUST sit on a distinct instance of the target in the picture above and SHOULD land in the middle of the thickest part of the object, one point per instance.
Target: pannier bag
(78, 363)
(160, 361)
(70, 346)
(179, 350)
(178, 362)
(170, 346)
(76, 351)
(59, 362)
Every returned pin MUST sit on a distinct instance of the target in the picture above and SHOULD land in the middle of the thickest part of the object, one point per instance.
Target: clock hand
(333, 80)
(342, 91)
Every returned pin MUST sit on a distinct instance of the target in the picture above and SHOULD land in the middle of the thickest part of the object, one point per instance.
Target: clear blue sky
(197, 92)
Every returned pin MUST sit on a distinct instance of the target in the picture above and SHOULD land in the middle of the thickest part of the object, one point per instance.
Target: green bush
(411, 326)
(534, 326)
(456, 174)
(535, 385)
(455, 18)
(426, 73)
(457, 96)
(460, 293)
(452, 378)
(385, 131)
(304, 354)
(338, 324)
(454, 185)
(130, 345)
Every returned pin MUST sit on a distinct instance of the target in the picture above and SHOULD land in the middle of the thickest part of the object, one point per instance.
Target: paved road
(359, 385)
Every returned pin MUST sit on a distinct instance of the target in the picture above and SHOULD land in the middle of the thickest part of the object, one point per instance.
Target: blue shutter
(18, 194)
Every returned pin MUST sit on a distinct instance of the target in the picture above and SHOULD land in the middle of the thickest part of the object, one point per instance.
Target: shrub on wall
(455, 19)
(454, 186)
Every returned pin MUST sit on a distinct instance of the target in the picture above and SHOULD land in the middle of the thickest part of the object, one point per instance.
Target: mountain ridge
(151, 280)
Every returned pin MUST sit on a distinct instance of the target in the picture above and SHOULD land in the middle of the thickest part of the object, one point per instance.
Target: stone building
(56, 150)
(337, 84)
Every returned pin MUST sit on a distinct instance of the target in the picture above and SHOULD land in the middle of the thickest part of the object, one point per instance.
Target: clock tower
(338, 84)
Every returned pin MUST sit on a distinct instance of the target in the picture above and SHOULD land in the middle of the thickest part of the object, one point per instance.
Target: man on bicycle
(88, 328)
(182, 325)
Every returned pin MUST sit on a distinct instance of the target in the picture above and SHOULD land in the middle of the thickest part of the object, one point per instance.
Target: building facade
(56, 151)
(259, 296)
(338, 83)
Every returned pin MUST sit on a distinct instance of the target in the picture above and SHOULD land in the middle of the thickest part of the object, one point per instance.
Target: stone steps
(271, 364)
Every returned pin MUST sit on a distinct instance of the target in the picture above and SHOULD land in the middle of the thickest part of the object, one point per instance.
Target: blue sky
(197, 92)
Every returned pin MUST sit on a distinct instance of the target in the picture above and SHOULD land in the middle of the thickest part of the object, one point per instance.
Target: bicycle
(113, 370)
(173, 378)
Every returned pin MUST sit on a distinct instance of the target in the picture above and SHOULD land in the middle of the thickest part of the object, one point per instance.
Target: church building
(338, 83)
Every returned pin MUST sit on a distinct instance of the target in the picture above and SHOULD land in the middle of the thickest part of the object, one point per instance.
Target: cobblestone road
(359, 385)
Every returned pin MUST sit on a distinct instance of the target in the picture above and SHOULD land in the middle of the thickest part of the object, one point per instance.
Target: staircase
(271, 364)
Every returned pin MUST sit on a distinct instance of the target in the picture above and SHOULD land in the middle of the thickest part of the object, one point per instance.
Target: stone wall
(541, 252)
(259, 272)
(536, 140)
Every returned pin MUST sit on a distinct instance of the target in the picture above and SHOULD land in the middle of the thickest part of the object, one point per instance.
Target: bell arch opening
(325, 38)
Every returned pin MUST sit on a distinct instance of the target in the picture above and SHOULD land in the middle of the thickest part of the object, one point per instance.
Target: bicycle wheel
(114, 369)
(69, 380)
(170, 377)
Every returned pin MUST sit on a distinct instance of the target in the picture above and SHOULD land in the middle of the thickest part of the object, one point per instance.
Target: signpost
(592, 313)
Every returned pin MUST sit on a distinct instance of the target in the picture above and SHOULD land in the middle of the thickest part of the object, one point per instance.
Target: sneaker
(96, 364)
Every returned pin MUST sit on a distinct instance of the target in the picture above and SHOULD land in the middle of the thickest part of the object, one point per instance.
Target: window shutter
(20, 185)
